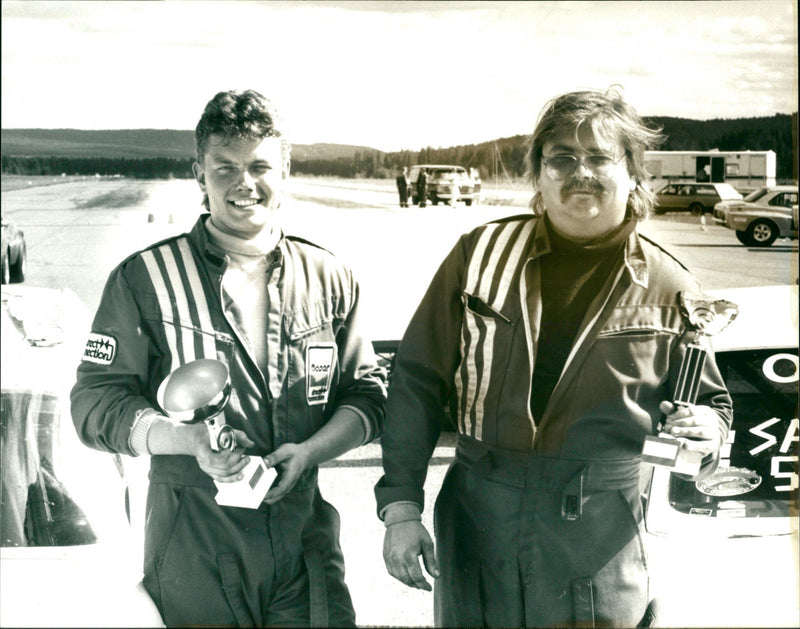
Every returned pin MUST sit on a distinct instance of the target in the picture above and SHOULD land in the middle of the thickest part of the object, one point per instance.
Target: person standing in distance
(422, 187)
(402, 186)
(283, 315)
(555, 339)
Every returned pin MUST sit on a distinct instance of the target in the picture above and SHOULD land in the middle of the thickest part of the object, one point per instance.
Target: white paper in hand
(250, 491)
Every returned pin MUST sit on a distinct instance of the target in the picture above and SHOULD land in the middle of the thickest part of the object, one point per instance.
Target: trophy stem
(688, 385)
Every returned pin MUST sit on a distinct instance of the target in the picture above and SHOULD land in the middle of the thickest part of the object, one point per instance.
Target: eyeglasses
(560, 167)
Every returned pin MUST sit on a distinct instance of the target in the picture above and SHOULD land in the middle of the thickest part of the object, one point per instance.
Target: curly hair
(610, 118)
(239, 114)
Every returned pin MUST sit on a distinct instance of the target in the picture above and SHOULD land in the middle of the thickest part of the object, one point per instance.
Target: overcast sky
(390, 75)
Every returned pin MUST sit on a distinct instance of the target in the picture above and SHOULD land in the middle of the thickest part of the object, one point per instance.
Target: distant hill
(168, 152)
(133, 143)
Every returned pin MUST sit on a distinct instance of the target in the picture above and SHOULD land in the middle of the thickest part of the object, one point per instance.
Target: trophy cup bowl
(198, 391)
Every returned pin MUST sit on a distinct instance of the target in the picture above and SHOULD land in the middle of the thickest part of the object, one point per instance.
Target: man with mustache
(282, 314)
(555, 340)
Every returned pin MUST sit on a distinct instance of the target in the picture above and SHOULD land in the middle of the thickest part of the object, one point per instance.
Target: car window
(55, 492)
(758, 474)
(786, 199)
(706, 190)
(37, 508)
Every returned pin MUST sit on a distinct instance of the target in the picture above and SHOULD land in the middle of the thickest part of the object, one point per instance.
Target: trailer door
(717, 169)
(702, 170)
(710, 169)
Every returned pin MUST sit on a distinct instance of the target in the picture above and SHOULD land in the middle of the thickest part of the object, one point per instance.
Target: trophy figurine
(706, 316)
(198, 391)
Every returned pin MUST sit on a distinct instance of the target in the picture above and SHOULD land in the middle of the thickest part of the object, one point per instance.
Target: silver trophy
(199, 391)
(706, 316)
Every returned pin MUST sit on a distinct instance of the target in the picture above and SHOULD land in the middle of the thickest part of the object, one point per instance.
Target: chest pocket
(637, 342)
(481, 319)
(487, 337)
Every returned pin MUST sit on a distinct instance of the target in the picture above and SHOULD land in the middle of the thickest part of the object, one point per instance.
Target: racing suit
(163, 307)
(539, 519)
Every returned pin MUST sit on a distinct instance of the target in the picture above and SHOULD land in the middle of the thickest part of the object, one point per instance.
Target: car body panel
(69, 556)
(13, 252)
(676, 197)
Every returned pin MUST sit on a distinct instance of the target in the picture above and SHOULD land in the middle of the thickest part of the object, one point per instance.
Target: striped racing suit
(539, 519)
(163, 307)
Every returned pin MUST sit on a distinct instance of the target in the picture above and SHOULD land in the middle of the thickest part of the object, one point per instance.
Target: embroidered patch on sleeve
(320, 361)
(100, 349)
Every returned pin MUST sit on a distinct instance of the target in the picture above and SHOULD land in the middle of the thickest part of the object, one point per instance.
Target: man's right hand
(403, 543)
(168, 437)
(224, 466)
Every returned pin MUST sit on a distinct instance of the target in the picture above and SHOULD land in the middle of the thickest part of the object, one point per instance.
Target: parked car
(438, 184)
(68, 556)
(14, 252)
(762, 216)
(697, 198)
(723, 552)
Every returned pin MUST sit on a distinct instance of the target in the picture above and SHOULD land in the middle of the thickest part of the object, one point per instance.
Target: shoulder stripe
(182, 300)
(199, 300)
(509, 261)
(478, 254)
(165, 301)
(492, 269)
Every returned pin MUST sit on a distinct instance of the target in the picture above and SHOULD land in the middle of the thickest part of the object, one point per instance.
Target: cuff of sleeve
(401, 512)
(368, 431)
(137, 440)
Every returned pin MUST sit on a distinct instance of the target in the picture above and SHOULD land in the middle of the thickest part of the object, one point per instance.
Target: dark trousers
(279, 565)
(526, 541)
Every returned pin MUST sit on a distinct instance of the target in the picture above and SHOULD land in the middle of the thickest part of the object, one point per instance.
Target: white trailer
(744, 170)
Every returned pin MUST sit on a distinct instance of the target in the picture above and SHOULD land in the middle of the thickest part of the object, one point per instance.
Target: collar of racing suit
(218, 257)
(634, 260)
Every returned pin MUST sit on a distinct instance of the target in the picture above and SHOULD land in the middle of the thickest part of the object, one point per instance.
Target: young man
(279, 312)
(556, 341)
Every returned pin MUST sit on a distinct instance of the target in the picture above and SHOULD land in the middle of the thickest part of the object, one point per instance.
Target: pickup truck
(438, 184)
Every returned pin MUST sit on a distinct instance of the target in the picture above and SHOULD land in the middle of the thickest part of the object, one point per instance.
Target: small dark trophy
(707, 317)
(199, 391)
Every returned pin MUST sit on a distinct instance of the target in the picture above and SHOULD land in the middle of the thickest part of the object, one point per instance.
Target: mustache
(582, 186)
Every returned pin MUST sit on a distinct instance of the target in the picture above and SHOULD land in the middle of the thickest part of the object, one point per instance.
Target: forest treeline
(503, 158)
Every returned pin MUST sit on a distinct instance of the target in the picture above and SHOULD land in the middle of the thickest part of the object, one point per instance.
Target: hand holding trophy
(706, 317)
(199, 391)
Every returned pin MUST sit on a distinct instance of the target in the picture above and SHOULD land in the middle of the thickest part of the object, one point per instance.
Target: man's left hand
(697, 427)
(291, 460)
